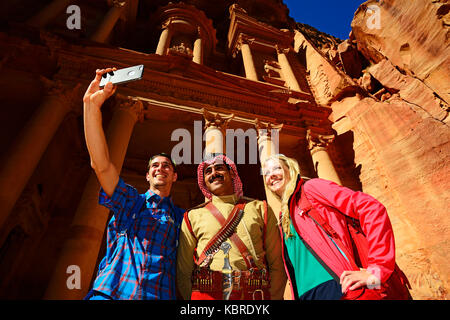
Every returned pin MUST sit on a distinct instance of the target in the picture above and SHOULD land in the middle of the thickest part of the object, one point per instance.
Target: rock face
(394, 102)
(412, 34)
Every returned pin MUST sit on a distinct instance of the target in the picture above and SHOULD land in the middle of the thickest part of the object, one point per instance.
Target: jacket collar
(231, 199)
(295, 196)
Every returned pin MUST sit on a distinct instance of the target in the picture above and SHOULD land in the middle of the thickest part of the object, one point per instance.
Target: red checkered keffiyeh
(237, 184)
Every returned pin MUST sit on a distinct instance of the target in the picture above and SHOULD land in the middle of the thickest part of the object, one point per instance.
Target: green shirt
(308, 272)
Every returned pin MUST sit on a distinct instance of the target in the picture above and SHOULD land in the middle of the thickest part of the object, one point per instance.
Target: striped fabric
(142, 238)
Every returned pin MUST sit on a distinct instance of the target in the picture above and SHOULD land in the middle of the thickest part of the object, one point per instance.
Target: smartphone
(123, 75)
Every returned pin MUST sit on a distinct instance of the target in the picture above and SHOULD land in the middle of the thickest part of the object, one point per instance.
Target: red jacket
(332, 201)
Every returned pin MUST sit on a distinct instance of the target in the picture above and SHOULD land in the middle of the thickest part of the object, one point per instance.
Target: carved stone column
(318, 144)
(198, 48)
(268, 139)
(214, 136)
(109, 21)
(86, 232)
(286, 69)
(49, 13)
(247, 57)
(30, 145)
(268, 144)
(164, 39)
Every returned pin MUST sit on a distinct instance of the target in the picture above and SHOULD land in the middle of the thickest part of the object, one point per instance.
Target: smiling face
(276, 176)
(218, 179)
(161, 173)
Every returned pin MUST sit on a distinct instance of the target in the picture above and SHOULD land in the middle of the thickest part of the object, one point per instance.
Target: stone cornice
(213, 88)
(265, 35)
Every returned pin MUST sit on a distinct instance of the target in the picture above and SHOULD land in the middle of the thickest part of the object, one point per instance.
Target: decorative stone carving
(272, 68)
(133, 106)
(181, 50)
(318, 141)
(236, 7)
(265, 129)
(70, 97)
(242, 40)
(118, 3)
(215, 126)
(216, 120)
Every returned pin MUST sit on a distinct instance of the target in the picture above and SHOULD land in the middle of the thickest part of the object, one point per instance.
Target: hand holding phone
(94, 95)
(123, 75)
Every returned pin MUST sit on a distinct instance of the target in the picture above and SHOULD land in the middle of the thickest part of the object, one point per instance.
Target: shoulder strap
(227, 228)
(188, 223)
(233, 237)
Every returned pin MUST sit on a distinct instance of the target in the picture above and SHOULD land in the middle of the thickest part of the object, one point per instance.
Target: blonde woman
(317, 245)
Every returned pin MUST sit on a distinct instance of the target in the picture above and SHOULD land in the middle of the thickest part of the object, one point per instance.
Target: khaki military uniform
(250, 230)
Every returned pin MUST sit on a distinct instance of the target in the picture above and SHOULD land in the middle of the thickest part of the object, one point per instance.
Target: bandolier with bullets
(239, 246)
(252, 283)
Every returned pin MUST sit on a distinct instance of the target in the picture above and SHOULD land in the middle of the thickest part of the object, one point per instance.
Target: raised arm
(93, 130)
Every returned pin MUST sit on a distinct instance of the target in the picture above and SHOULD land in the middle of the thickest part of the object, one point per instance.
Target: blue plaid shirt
(142, 239)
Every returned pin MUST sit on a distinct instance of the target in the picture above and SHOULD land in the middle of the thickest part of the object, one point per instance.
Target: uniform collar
(231, 199)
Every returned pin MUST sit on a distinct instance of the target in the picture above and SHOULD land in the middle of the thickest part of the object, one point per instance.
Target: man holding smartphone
(142, 235)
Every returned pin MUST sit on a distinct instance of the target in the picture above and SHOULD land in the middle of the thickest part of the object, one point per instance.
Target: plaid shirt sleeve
(121, 203)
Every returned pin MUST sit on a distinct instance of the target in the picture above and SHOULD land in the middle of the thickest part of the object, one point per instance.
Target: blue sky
(330, 16)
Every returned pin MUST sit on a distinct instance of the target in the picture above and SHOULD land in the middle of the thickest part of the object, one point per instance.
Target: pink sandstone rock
(412, 34)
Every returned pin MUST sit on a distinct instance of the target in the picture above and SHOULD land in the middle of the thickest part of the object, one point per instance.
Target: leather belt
(251, 282)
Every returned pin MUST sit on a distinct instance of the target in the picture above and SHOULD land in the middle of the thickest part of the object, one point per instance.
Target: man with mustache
(142, 234)
(215, 262)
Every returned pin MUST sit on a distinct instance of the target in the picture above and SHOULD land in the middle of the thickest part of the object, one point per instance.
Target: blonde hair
(294, 173)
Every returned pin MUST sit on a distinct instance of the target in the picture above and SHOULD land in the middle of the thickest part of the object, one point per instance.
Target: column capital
(70, 97)
(282, 49)
(244, 39)
(318, 140)
(216, 120)
(167, 24)
(264, 129)
(237, 8)
(117, 3)
(200, 33)
(132, 106)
